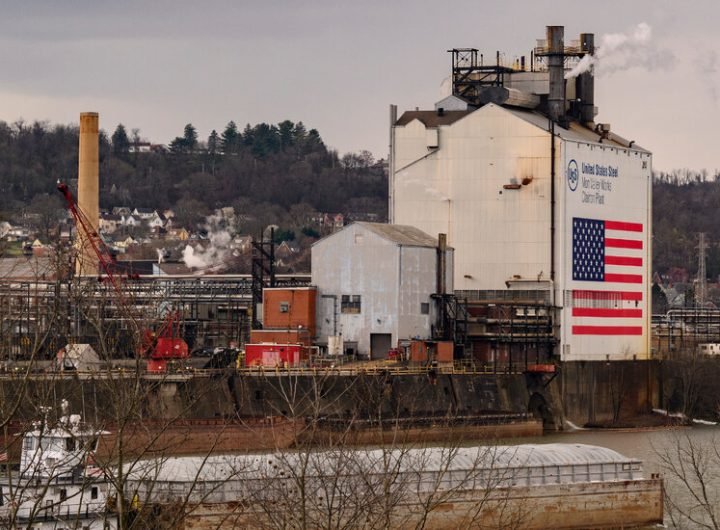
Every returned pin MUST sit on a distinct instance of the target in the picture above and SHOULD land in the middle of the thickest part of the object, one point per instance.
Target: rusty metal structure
(263, 272)
(40, 316)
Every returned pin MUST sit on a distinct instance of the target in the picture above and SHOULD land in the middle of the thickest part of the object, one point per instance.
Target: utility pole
(701, 293)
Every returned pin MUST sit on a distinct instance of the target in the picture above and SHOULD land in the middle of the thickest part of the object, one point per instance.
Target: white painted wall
(392, 280)
(622, 198)
(500, 234)
(497, 234)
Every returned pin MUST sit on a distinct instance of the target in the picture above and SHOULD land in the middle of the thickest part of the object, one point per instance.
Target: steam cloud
(216, 252)
(619, 51)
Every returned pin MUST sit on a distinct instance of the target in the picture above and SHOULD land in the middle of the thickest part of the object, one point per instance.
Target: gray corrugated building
(375, 285)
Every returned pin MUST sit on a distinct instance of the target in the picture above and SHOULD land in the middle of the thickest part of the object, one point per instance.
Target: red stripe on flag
(606, 313)
(623, 278)
(607, 330)
(621, 225)
(614, 242)
(623, 260)
(607, 295)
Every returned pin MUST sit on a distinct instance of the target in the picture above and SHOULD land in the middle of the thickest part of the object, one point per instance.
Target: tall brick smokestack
(88, 188)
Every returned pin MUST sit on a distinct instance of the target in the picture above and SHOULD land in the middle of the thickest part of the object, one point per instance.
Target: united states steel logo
(572, 175)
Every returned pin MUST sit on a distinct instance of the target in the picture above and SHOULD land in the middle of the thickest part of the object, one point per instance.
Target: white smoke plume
(214, 254)
(194, 261)
(620, 51)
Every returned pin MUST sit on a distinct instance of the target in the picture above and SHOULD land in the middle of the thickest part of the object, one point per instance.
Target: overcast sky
(337, 65)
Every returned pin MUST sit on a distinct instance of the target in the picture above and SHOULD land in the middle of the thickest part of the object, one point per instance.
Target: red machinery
(271, 355)
(159, 347)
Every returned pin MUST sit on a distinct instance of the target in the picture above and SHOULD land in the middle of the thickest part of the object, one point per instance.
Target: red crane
(158, 347)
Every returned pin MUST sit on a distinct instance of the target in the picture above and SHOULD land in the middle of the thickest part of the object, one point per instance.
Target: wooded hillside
(282, 174)
(265, 171)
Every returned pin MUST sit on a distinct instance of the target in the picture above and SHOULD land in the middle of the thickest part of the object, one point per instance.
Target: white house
(375, 284)
(130, 221)
(109, 223)
(144, 213)
(156, 220)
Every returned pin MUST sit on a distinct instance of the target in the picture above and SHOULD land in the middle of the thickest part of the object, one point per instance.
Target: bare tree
(692, 491)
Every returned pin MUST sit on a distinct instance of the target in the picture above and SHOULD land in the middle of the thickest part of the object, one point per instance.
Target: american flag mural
(608, 254)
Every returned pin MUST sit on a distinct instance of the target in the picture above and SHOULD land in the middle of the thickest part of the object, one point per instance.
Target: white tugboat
(57, 485)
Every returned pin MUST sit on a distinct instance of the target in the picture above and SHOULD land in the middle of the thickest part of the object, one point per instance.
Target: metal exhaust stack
(585, 84)
(556, 72)
(442, 264)
(88, 189)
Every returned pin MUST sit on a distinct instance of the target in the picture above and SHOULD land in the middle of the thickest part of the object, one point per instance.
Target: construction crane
(157, 346)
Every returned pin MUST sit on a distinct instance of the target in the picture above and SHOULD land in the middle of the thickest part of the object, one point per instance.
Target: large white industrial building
(534, 196)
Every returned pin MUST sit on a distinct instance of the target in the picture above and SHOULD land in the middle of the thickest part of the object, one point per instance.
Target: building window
(424, 308)
(284, 307)
(350, 303)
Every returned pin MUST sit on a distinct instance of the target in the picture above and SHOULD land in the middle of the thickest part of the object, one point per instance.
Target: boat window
(94, 493)
(29, 443)
(70, 444)
(63, 494)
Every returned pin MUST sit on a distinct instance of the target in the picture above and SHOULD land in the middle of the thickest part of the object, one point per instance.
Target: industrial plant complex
(510, 292)
(518, 244)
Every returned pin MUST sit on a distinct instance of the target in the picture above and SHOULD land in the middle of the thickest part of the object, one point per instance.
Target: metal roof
(27, 268)
(575, 132)
(403, 235)
(431, 118)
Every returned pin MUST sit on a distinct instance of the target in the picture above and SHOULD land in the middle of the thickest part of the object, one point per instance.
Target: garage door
(380, 344)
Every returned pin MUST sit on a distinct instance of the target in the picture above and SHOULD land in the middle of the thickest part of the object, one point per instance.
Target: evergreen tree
(266, 140)
(120, 141)
(248, 136)
(190, 136)
(230, 138)
(213, 142)
(285, 132)
(299, 132)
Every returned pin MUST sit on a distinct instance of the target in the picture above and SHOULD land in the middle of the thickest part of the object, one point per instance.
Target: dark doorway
(380, 344)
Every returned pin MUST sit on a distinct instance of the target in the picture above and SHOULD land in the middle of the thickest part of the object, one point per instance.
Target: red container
(271, 355)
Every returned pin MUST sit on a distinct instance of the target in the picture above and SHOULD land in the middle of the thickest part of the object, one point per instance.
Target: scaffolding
(38, 317)
(511, 330)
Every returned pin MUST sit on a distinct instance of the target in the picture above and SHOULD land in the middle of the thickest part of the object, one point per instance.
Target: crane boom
(167, 343)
